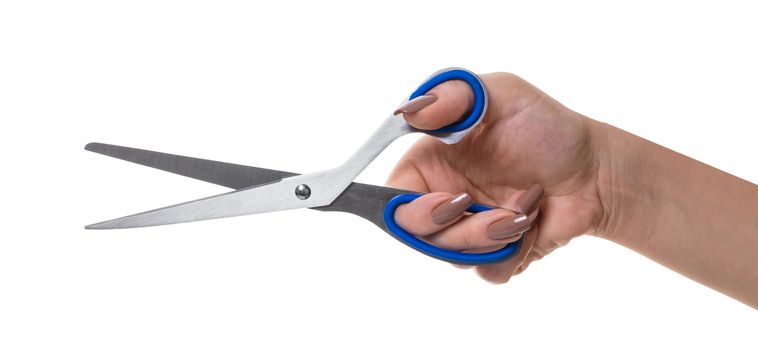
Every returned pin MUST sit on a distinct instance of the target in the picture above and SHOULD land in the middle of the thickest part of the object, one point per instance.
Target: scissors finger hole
(450, 256)
(480, 97)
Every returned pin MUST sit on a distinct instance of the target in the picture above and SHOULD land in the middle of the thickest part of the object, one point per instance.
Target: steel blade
(366, 201)
(266, 198)
(220, 173)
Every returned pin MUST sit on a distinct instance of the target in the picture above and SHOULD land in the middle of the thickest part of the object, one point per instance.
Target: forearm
(683, 214)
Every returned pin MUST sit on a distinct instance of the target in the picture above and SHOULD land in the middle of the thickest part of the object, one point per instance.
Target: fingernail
(509, 227)
(530, 199)
(451, 209)
(511, 239)
(416, 104)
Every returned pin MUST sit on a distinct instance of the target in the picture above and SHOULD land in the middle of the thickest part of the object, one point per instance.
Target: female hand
(526, 141)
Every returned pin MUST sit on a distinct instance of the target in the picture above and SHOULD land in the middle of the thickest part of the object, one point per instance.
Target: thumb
(453, 99)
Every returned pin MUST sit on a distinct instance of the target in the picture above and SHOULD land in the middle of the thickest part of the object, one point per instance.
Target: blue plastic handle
(480, 97)
(450, 256)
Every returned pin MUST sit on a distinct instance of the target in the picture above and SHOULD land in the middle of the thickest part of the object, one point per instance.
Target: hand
(526, 140)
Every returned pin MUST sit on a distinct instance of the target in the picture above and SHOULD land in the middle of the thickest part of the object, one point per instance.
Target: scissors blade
(262, 199)
(366, 201)
(220, 173)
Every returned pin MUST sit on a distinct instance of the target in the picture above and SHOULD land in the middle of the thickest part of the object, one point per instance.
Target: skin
(598, 180)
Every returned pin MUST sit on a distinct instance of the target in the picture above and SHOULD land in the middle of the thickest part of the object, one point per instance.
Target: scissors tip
(108, 225)
(94, 227)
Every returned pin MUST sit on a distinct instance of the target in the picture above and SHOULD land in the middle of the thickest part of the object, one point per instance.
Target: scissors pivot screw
(303, 191)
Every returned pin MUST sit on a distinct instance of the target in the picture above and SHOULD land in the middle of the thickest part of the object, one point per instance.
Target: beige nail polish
(509, 227)
(530, 200)
(452, 209)
(416, 104)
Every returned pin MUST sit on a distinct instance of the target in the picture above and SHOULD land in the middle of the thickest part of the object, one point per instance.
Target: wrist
(690, 217)
(626, 170)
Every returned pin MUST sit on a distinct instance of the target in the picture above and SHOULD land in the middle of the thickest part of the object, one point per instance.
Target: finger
(528, 201)
(481, 250)
(432, 212)
(536, 253)
(454, 99)
(483, 230)
(490, 249)
(494, 227)
(502, 272)
(521, 201)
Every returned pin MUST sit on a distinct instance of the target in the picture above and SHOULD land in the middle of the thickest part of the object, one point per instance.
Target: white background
(297, 86)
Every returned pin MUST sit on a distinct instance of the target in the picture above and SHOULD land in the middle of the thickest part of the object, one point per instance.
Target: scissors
(260, 190)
